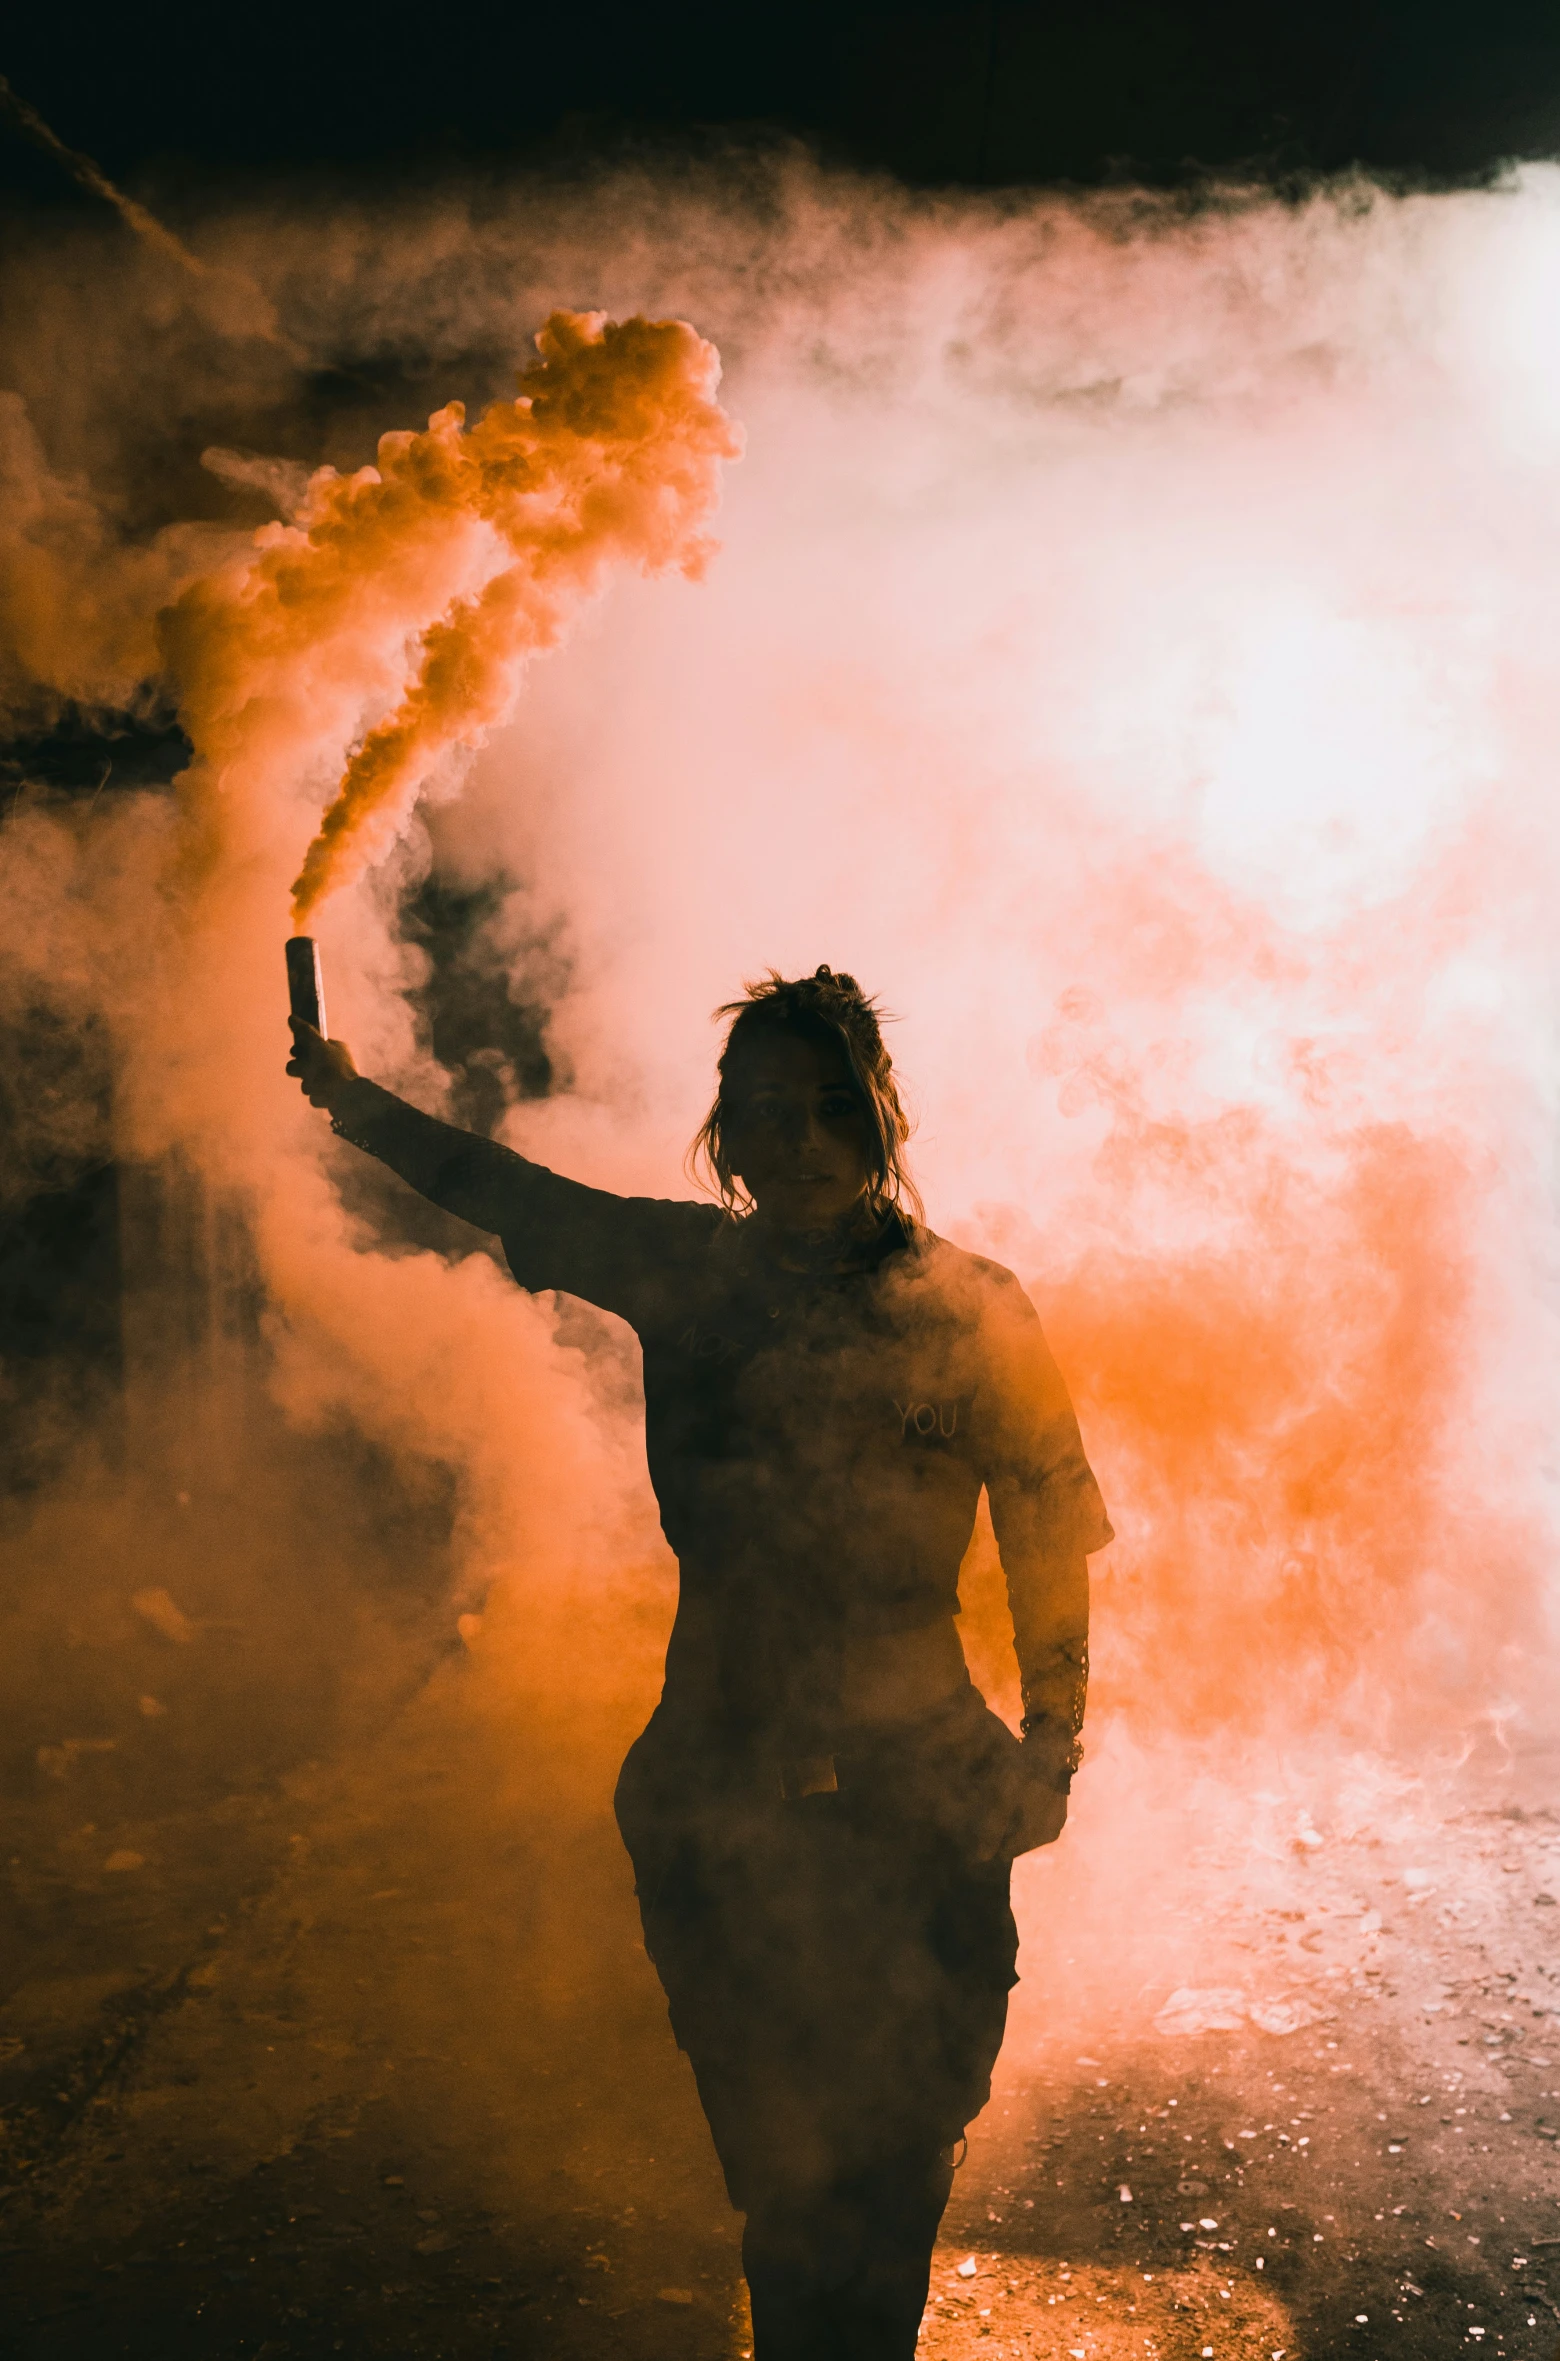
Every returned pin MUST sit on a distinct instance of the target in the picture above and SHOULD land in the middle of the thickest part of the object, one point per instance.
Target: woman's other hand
(1041, 1817)
(321, 1066)
(1026, 1810)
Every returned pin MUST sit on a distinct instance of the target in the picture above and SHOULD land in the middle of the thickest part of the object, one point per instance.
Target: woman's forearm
(1047, 1574)
(1051, 1638)
(469, 1176)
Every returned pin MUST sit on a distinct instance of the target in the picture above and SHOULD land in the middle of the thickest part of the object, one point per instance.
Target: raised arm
(474, 1178)
(619, 1252)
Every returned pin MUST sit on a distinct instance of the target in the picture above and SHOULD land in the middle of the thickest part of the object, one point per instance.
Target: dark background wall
(986, 92)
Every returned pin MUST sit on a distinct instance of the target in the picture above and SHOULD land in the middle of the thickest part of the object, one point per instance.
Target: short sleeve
(627, 1254)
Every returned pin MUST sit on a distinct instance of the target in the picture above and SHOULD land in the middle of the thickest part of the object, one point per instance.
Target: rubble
(1189, 2012)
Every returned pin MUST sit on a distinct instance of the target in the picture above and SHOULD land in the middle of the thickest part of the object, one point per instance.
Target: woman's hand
(1041, 1816)
(321, 1066)
(1028, 1811)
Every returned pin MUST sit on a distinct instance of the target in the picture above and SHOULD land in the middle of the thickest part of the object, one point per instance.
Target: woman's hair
(834, 1012)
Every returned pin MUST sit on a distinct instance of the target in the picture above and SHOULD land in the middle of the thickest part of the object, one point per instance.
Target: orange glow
(1130, 653)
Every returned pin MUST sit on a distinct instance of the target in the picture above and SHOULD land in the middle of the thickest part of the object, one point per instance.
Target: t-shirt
(817, 1441)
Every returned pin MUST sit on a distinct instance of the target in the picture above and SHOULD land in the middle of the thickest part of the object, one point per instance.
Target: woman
(822, 1814)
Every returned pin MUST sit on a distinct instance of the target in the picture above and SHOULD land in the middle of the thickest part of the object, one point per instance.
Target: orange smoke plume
(401, 607)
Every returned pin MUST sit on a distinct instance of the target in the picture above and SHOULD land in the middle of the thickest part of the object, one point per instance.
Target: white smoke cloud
(1129, 654)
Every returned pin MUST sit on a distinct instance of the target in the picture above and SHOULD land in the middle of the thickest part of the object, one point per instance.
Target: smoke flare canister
(305, 984)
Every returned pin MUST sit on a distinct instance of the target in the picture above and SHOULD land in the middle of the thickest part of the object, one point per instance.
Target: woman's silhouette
(822, 1813)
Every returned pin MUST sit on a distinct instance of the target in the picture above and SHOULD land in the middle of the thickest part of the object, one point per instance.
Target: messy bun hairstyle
(833, 1011)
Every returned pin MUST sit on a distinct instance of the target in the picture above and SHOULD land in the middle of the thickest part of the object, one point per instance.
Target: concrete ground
(366, 2059)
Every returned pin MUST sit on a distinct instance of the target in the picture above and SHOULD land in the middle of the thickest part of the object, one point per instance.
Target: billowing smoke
(1128, 653)
(425, 582)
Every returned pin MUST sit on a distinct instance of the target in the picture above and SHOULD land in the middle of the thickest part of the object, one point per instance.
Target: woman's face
(795, 1135)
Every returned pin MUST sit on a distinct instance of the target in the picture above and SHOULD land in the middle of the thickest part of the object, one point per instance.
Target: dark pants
(837, 1970)
(842, 2271)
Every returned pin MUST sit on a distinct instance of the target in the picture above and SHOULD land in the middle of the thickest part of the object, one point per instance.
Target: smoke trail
(91, 176)
(460, 555)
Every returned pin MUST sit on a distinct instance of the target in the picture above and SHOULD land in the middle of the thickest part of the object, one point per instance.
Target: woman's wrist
(342, 1089)
(335, 1078)
(1053, 1749)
